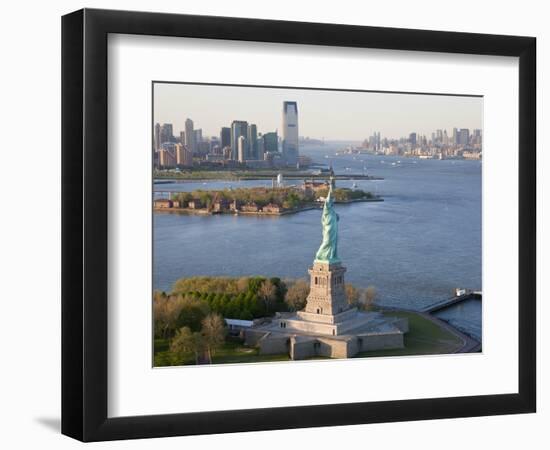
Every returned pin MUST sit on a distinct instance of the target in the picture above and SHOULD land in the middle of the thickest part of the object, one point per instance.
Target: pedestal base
(303, 339)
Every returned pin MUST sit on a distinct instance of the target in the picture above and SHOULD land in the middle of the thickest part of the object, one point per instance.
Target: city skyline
(332, 115)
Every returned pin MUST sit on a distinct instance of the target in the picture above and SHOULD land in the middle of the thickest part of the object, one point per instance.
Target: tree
(322, 192)
(185, 342)
(166, 310)
(352, 294)
(296, 295)
(182, 197)
(252, 305)
(267, 293)
(191, 313)
(292, 200)
(204, 196)
(369, 297)
(246, 315)
(242, 284)
(160, 314)
(280, 289)
(254, 284)
(213, 331)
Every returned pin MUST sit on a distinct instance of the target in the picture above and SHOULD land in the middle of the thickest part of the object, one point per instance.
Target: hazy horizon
(332, 115)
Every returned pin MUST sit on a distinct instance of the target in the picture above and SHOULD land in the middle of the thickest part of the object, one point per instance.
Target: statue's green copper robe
(328, 251)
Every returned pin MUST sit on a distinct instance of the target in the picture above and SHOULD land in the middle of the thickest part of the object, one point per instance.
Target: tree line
(346, 194)
(193, 299)
(287, 198)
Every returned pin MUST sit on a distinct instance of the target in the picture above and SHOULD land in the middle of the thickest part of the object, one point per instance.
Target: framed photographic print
(274, 224)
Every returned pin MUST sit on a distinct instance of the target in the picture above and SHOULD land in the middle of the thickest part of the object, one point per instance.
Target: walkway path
(469, 345)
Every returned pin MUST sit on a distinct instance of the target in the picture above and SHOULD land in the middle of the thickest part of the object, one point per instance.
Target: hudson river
(415, 247)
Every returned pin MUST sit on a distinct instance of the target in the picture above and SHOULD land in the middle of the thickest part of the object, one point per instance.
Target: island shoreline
(206, 212)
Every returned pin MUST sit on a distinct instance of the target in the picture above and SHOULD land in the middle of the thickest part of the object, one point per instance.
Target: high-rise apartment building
(166, 158)
(184, 157)
(290, 133)
(214, 144)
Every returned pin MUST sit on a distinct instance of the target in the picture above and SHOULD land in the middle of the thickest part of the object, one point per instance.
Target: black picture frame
(84, 224)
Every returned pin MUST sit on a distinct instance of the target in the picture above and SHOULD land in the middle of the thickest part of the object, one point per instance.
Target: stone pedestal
(327, 295)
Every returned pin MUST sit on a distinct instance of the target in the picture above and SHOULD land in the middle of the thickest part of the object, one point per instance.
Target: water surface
(415, 247)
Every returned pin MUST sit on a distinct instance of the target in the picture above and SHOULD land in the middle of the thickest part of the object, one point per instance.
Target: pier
(452, 301)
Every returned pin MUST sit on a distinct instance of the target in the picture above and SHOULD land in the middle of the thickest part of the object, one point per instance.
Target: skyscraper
(238, 128)
(241, 143)
(261, 148)
(476, 136)
(166, 133)
(225, 137)
(412, 139)
(463, 136)
(252, 142)
(189, 135)
(197, 139)
(290, 133)
(271, 142)
(156, 143)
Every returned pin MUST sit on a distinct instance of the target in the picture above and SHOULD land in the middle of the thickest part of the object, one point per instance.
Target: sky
(332, 115)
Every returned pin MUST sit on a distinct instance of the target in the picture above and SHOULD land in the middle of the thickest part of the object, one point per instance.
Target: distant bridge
(452, 301)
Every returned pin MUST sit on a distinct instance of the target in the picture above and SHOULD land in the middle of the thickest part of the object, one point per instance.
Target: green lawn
(163, 356)
(231, 352)
(234, 352)
(424, 338)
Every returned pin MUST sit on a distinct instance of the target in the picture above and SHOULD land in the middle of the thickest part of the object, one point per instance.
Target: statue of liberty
(328, 251)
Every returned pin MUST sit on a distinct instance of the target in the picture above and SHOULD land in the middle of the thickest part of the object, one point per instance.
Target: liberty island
(328, 326)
